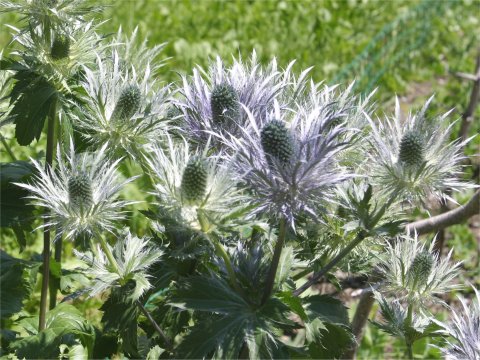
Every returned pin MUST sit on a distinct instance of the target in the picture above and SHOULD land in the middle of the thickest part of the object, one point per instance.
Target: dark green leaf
(326, 308)
(14, 209)
(333, 342)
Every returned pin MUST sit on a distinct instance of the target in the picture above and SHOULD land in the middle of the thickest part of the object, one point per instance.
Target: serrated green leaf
(207, 294)
(284, 266)
(327, 309)
(17, 279)
(64, 325)
(14, 209)
(33, 98)
(334, 339)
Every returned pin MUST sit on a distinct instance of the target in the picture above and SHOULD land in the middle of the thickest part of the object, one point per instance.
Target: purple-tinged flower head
(214, 101)
(464, 327)
(81, 194)
(412, 158)
(288, 162)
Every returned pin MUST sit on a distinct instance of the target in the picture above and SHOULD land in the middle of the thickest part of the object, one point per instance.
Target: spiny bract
(80, 190)
(194, 180)
(60, 47)
(224, 103)
(412, 149)
(128, 103)
(420, 269)
(276, 141)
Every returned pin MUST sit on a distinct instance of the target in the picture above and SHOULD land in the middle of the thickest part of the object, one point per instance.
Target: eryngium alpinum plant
(207, 202)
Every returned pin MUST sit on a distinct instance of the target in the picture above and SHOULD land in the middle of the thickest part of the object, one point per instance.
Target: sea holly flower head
(80, 194)
(413, 159)
(133, 257)
(288, 162)
(414, 272)
(124, 110)
(192, 182)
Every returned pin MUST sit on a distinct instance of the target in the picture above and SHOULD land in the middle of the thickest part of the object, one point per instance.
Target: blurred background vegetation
(412, 49)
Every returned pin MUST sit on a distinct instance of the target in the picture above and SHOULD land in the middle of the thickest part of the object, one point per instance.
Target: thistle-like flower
(132, 255)
(80, 195)
(214, 100)
(465, 329)
(412, 159)
(289, 161)
(59, 57)
(414, 272)
(122, 109)
(197, 185)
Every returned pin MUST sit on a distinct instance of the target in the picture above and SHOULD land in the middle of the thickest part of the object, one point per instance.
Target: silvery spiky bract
(464, 327)
(80, 194)
(298, 178)
(213, 100)
(123, 108)
(136, 52)
(190, 181)
(50, 13)
(133, 256)
(412, 158)
(414, 272)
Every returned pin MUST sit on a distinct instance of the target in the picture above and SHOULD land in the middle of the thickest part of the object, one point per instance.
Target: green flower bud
(276, 141)
(60, 47)
(412, 149)
(224, 103)
(420, 269)
(80, 190)
(128, 103)
(194, 180)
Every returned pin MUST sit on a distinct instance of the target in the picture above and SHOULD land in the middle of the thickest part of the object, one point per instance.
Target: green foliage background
(408, 48)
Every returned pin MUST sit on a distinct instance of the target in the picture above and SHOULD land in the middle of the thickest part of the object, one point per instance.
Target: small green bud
(420, 269)
(128, 103)
(276, 141)
(80, 190)
(224, 103)
(412, 149)
(60, 47)
(194, 180)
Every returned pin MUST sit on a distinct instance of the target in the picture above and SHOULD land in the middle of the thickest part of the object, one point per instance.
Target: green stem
(409, 321)
(7, 148)
(275, 260)
(318, 275)
(46, 233)
(108, 252)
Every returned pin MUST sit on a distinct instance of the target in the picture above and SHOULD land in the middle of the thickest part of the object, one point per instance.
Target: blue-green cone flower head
(194, 180)
(224, 103)
(420, 269)
(60, 47)
(412, 149)
(277, 142)
(80, 190)
(128, 103)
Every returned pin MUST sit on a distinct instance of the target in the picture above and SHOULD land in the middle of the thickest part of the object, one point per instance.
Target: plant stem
(155, 325)
(46, 233)
(316, 276)
(220, 251)
(275, 260)
(108, 252)
(7, 148)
